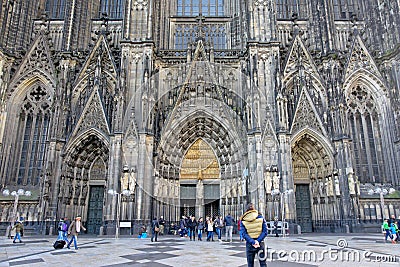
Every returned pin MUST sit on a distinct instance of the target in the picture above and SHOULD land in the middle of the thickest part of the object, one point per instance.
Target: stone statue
(337, 188)
(276, 181)
(321, 188)
(352, 189)
(156, 186)
(176, 188)
(132, 182)
(268, 182)
(330, 186)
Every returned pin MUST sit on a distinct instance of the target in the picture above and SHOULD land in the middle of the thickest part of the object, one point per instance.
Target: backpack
(64, 227)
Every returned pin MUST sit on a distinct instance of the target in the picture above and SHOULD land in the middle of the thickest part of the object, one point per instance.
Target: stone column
(199, 199)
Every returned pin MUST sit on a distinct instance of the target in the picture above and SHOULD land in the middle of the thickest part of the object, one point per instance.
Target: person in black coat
(155, 228)
(191, 224)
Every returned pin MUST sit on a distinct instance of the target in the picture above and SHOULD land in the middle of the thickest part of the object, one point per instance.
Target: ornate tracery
(365, 133)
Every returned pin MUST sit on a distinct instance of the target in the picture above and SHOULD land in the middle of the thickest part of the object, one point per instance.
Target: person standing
(19, 228)
(155, 228)
(74, 229)
(276, 227)
(161, 222)
(219, 224)
(229, 223)
(182, 227)
(254, 230)
(386, 228)
(210, 229)
(192, 228)
(200, 228)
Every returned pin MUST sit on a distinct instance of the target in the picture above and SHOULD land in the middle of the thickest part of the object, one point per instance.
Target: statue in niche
(330, 186)
(314, 188)
(156, 186)
(200, 174)
(337, 187)
(165, 188)
(132, 182)
(276, 181)
(128, 181)
(176, 188)
(352, 189)
(234, 188)
(321, 187)
(242, 187)
(268, 182)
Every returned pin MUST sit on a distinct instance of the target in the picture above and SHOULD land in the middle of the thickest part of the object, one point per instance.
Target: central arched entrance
(199, 181)
(314, 181)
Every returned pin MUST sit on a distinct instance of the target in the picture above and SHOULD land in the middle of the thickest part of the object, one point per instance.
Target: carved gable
(306, 115)
(100, 59)
(37, 60)
(93, 116)
(360, 59)
(299, 56)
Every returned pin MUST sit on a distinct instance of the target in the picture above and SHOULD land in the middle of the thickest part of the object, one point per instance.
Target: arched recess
(28, 120)
(315, 183)
(83, 179)
(371, 128)
(229, 151)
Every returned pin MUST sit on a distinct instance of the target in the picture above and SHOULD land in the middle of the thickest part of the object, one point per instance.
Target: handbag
(156, 229)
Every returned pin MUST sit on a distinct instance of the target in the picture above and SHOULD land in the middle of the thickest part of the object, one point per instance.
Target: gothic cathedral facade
(125, 110)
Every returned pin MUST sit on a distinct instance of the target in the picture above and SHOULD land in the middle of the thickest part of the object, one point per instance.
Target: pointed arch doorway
(312, 163)
(199, 181)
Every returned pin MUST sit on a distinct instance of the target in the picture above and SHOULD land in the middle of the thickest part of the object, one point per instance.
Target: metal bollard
(299, 229)
(101, 230)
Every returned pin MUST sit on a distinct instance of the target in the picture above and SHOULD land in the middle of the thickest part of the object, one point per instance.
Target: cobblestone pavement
(293, 251)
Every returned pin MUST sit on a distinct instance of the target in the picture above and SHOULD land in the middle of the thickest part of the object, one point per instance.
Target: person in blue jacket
(254, 229)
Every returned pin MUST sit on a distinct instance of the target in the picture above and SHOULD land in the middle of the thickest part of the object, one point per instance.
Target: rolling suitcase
(59, 244)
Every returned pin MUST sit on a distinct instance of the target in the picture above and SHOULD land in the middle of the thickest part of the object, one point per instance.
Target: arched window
(286, 8)
(55, 9)
(366, 136)
(113, 8)
(205, 7)
(32, 131)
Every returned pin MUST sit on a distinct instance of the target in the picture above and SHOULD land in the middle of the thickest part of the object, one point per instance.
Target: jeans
(276, 231)
(200, 234)
(210, 235)
(65, 236)
(154, 235)
(388, 234)
(229, 230)
(219, 232)
(60, 235)
(251, 252)
(17, 235)
(192, 234)
(75, 239)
